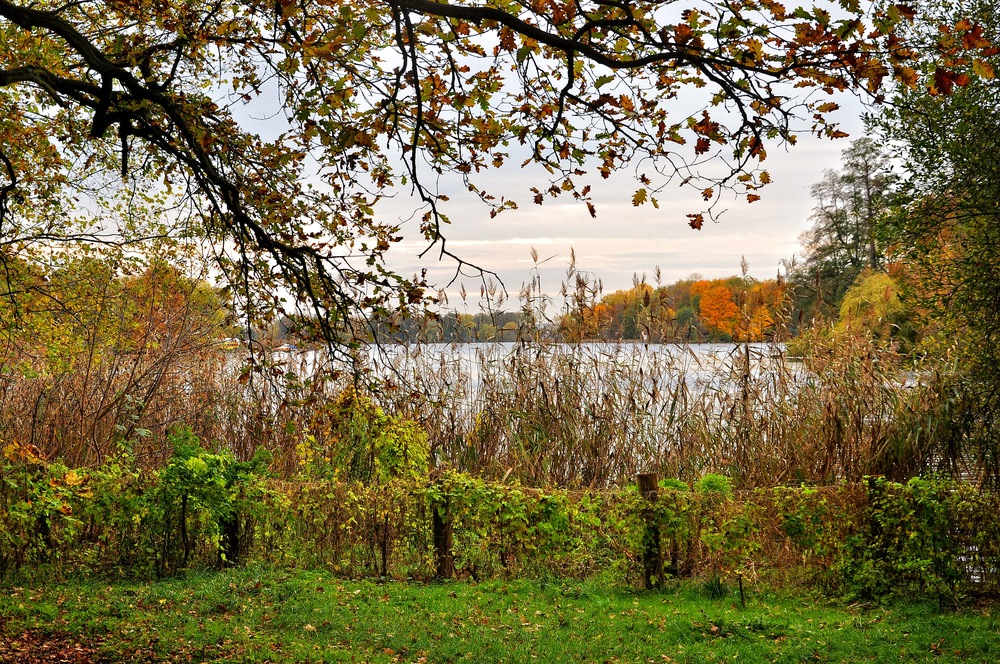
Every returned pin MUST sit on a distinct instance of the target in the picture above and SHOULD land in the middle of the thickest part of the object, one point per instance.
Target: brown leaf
(943, 81)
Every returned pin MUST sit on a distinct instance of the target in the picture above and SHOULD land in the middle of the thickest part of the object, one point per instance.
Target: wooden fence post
(441, 526)
(652, 557)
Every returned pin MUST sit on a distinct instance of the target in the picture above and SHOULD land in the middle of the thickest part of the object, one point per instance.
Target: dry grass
(597, 414)
(540, 412)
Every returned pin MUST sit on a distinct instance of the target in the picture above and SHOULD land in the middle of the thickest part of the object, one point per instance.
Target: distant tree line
(736, 308)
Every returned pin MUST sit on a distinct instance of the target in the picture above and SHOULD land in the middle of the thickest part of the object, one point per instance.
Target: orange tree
(762, 315)
(139, 112)
(716, 307)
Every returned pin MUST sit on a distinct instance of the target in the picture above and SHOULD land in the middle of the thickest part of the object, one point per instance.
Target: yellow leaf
(982, 69)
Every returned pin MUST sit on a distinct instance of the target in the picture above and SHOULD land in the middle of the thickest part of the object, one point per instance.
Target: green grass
(304, 616)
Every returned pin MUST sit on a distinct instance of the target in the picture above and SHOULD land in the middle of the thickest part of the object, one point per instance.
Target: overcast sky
(624, 240)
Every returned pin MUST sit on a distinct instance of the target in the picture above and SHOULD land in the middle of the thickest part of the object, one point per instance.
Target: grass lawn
(309, 616)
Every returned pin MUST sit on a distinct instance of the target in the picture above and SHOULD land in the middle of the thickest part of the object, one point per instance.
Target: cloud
(624, 240)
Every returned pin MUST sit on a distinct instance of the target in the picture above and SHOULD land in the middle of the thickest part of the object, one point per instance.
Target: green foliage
(922, 538)
(714, 483)
(674, 484)
(401, 451)
(946, 230)
(873, 305)
(38, 519)
(353, 439)
(200, 508)
(925, 537)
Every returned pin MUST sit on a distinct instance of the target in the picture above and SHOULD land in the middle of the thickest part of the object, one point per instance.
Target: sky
(623, 240)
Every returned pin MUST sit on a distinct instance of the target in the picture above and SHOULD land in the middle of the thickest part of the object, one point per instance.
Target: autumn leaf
(974, 39)
(705, 126)
(944, 81)
(906, 75)
(507, 41)
(639, 197)
(683, 33)
(982, 69)
(696, 221)
(906, 12)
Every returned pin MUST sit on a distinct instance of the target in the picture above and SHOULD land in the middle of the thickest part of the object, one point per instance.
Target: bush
(928, 537)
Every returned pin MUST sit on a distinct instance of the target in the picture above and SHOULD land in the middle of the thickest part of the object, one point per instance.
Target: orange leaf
(507, 39)
(974, 38)
(705, 125)
(683, 33)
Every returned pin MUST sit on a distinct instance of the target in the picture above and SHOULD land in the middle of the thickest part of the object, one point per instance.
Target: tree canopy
(843, 239)
(126, 120)
(947, 230)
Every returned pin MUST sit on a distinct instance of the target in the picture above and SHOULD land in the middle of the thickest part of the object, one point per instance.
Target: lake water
(707, 365)
(468, 372)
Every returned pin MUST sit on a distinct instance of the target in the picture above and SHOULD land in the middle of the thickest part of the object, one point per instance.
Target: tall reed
(597, 414)
(536, 411)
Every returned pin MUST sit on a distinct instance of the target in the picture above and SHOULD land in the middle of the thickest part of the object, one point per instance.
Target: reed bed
(541, 413)
(597, 414)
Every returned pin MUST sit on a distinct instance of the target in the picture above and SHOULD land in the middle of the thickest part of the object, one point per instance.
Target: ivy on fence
(204, 508)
